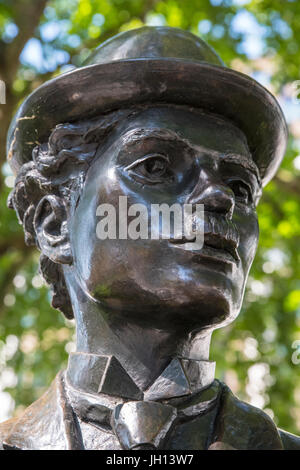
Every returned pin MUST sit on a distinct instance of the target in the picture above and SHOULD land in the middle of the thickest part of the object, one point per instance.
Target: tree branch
(27, 15)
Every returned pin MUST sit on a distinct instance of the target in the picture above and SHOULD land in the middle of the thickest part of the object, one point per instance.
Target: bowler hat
(152, 65)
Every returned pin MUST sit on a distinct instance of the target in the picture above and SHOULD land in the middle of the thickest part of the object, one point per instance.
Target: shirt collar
(104, 375)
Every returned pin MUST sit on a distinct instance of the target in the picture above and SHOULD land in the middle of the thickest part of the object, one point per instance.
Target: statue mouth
(215, 246)
(224, 244)
(220, 240)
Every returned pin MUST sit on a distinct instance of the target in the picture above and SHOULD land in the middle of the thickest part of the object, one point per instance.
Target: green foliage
(254, 354)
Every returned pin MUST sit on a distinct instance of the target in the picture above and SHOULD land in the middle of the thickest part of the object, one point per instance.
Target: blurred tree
(39, 39)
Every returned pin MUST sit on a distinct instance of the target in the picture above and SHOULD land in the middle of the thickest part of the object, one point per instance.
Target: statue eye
(155, 165)
(241, 191)
(154, 168)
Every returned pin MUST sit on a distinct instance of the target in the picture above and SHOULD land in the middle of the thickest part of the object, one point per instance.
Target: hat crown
(154, 42)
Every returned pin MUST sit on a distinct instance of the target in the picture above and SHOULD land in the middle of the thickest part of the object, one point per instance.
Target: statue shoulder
(290, 441)
(5, 429)
(243, 426)
(42, 424)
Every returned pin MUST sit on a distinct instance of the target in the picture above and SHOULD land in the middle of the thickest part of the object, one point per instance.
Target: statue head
(154, 117)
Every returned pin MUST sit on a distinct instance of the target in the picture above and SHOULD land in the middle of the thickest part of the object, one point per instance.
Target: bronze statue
(156, 117)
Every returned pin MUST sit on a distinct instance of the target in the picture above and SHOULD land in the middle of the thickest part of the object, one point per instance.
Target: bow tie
(142, 425)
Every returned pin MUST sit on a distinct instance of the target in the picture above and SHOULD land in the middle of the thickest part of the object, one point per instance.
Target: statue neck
(143, 352)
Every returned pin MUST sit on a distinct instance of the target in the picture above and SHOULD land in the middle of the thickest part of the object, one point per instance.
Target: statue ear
(50, 224)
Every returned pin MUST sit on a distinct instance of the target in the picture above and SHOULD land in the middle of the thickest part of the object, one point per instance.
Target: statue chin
(181, 308)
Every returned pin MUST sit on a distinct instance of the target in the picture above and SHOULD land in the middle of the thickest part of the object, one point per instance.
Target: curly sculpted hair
(58, 167)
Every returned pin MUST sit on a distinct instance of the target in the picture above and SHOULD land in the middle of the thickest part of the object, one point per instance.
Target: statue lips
(220, 244)
(215, 247)
(221, 240)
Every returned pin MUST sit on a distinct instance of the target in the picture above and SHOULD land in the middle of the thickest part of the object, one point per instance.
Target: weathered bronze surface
(154, 116)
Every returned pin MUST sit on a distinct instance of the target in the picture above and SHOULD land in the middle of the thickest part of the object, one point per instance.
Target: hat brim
(95, 89)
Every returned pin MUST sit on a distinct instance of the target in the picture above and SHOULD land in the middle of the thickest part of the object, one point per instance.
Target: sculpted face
(170, 155)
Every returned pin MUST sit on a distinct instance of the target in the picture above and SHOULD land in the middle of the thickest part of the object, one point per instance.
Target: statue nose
(215, 198)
